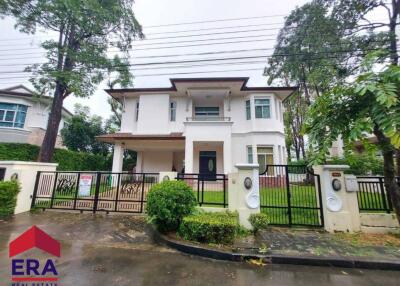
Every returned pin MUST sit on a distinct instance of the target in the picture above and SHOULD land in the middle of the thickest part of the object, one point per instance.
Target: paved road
(115, 250)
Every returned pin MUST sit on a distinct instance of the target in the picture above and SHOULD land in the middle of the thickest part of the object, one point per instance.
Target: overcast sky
(18, 49)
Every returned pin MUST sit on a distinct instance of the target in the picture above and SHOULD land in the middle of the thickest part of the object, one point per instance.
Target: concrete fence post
(244, 193)
(26, 174)
(167, 176)
(339, 198)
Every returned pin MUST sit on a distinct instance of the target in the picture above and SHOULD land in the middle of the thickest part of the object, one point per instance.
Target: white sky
(162, 12)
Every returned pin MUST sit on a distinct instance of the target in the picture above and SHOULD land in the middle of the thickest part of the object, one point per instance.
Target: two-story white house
(200, 125)
(23, 116)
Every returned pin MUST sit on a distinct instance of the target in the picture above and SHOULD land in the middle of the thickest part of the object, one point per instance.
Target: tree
(369, 105)
(81, 130)
(77, 61)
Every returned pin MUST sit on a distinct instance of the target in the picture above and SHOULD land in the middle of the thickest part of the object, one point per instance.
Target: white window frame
(248, 109)
(206, 113)
(265, 155)
(14, 118)
(249, 150)
(262, 105)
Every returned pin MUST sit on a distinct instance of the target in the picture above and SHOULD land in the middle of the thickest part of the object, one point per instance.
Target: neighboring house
(200, 125)
(23, 116)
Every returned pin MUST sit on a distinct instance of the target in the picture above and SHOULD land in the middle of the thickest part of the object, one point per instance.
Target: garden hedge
(67, 160)
(8, 197)
(218, 227)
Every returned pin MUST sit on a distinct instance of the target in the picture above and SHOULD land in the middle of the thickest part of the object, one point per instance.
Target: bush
(8, 197)
(360, 164)
(67, 160)
(168, 202)
(258, 221)
(210, 227)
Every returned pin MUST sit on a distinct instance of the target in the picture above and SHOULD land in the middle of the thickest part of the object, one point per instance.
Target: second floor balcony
(208, 118)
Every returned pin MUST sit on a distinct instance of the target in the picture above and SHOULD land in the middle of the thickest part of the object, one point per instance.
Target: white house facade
(23, 116)
(200, 125)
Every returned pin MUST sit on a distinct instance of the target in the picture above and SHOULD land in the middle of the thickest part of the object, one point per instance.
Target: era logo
(23, 270)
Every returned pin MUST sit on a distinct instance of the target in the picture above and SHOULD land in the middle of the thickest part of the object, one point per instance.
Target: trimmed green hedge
(168, 202)
(219, 227)
(8, 197)
(67, 160)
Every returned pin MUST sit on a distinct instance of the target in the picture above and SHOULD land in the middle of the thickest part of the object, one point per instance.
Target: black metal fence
(93, 191)
(291, 195)
(209, 190)
(372, 194)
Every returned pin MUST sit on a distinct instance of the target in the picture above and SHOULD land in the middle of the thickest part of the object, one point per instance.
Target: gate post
(244, 192)
(339, 199)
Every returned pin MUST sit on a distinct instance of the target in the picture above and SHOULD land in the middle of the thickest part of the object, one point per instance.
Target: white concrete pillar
(118, 158)
(188, 156)
(227, 152)
(245, 201)
(139, 161)
(340, 206)
(167, 176)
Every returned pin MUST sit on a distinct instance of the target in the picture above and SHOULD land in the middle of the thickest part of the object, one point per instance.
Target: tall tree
(369, 105)
(77, 61)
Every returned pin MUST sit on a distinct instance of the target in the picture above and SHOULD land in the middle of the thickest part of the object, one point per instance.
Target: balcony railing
(208, 118)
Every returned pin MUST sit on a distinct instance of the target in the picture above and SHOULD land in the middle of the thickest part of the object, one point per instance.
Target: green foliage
(67, 160)
(168, 202)
(356, 110)
(81, 130)
(219, 227)
(360, 164)
(259, 221)
(8, 197)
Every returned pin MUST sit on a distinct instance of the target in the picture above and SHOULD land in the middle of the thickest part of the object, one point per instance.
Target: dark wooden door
(208, 164)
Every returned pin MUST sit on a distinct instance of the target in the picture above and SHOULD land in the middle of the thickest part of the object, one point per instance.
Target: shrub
(168, 202)
(258, 221)
(8, 197)
(220, 227)
(360, 164)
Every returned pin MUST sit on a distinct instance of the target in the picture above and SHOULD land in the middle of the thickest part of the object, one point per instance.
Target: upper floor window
(12, 115)
(206, 111)
(172, 111)
(137, 110)
(250, 154)
(248, 110)
(262, 108)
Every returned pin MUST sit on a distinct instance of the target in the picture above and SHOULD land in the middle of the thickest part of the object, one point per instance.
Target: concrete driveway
(116, 250)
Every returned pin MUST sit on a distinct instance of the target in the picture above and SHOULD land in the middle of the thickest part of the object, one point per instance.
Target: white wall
(207, 147)
(156, 161)
(153, 114)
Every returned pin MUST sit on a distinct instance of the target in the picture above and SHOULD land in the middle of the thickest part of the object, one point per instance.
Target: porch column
(188, 156)
(139, 161)
(118, 158)
(227, 151)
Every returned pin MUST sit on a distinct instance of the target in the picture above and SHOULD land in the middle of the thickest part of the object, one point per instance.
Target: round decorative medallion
(248, 183)
(336, 185)
(165, 178)
(334, 203)
(253, 200)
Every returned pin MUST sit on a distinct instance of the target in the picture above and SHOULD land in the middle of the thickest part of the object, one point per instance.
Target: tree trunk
(49, 141)
(391, 186)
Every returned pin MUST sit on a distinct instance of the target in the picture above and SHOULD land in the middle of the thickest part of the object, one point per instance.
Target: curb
(276, 258)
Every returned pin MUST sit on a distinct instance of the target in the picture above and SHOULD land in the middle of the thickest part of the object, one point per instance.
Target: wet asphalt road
(115, 250)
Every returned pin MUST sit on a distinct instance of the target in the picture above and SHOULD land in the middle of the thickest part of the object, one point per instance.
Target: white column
(118, 158)
(340, 207)
(139, 161)
(245, 201)
(188, 156)
(227, 151)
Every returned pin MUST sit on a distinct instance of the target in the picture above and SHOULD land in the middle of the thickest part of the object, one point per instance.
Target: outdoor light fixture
(336, 185)
(248, 183)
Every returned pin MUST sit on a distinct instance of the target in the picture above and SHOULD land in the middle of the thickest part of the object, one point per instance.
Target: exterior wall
(153, 114)
(156, 161)
(379, 223)
(35, 123)
(204, 147)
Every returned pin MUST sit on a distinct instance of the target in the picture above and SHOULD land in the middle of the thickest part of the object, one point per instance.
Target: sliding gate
(93, 191)
(291, 195)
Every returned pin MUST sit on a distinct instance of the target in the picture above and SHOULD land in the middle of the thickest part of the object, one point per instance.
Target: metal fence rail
(209, 190)
(291, 195)
(372, 194)
(93, 191)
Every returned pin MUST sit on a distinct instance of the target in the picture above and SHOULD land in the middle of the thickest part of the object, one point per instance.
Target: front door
(208, 164)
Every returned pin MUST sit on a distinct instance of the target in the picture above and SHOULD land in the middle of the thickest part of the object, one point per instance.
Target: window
(172, 111)
(250, 154)
(206, 111)
(12, 115)
(137, 110)
(248, 110)
(265, 156)
(262, 108)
